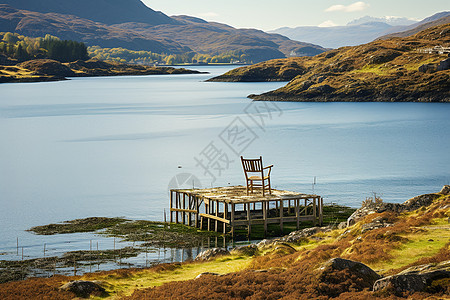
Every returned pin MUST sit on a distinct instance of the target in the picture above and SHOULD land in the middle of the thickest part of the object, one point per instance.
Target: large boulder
(339, 275)
(211, 253)
(356, 268)
(83, 288)
(416, 279)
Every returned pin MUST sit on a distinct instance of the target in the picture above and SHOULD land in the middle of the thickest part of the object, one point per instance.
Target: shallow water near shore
(110, 146)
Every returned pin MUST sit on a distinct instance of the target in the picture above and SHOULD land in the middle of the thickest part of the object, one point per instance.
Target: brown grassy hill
(214, 38)
(182, 34)
(70, 27)
(383, 70)
(105, 11)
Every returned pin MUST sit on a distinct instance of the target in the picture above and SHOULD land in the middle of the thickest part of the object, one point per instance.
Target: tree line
(147, 57)
(23, 48)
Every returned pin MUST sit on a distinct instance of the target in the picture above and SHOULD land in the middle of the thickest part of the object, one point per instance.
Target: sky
(272, 14)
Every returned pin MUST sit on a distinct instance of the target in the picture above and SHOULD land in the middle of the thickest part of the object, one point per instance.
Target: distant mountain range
(360, 31)
(132, 25)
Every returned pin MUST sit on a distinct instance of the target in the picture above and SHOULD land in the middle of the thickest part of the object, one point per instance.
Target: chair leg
(263, 187)
(270, 188)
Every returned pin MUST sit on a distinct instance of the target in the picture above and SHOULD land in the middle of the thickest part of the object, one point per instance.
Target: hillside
(214, 38)
(397, 69)
(383, 251)
(119, 24)
(70, 27)
(103, 11)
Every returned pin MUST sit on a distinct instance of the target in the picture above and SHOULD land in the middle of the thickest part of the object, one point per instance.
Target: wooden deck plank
(215, 218)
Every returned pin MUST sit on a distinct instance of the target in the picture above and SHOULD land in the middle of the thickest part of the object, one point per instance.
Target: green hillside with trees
(22, 48)
(147, 57)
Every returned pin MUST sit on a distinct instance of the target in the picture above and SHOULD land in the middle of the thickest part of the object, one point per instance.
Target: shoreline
(46, 70)
(185, 241)
(315, 261)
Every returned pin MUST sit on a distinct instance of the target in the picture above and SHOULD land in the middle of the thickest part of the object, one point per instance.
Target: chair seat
(257, 178)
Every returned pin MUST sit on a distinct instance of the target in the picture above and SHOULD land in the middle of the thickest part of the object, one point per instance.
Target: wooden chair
(256, 166)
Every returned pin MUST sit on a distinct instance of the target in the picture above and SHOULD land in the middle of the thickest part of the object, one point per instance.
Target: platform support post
(249, 220)
(217, 214)
(225, 214)
(171, 205)
(281, 216)
(315, 210)
(265, 206)
(232, 219)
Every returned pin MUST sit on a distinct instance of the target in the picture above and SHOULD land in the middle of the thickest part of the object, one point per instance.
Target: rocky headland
(39, 70)
(408, 69)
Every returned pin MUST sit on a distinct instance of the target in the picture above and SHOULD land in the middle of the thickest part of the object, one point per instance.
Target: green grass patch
(422, 244)
(120, 285)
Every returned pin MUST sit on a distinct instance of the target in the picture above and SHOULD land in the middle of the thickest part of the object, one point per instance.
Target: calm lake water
(110, 146)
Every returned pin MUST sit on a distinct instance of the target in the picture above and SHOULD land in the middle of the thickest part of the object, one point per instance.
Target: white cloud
(328, 23)
(209, 14)
(357, 6)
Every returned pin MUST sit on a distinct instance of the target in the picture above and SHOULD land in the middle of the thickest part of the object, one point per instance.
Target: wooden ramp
(222, 209)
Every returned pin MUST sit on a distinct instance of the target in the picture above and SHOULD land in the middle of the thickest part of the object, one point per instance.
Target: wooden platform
(222, 209)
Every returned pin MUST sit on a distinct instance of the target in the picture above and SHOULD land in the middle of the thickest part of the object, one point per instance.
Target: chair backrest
(252, 165)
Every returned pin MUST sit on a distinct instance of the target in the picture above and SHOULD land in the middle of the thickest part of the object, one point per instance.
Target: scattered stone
(301, 235)
(428, 68)
(415, 279)
(83, 288)
(267, 243)
(445, 190)
(444, 65)
(249, 250)
(211, 253)
(442, 266)
(207, 273)
(378, 222)
(420, 201)
(342, 225)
